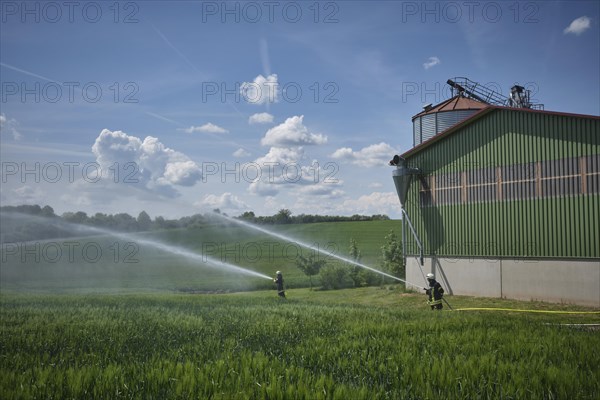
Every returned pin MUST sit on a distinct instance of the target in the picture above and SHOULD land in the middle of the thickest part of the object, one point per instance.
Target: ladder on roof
(519, 96)
(477, 91)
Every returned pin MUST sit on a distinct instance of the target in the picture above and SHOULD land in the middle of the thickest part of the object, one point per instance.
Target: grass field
(369, 343)
(105, 263)
(114, 317)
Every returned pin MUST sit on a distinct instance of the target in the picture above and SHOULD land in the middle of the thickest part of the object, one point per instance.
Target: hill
(142, 262)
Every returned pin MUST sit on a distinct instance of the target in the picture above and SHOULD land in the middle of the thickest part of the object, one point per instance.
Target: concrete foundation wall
(559, 281)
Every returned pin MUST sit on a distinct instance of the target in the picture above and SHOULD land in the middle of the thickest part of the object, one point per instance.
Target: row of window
(554, 178)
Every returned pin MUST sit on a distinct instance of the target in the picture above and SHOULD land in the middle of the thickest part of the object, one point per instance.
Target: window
(553, 178)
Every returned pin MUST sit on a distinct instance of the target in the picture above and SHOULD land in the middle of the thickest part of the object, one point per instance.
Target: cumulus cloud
(260, 118)
(262, 90)
(370, 156)
(431, 62)
(292, 132)
(373, 203)
(578, 26)
(9, 125)
(206, 128)
(286, 165)
(289, 167)
(240, 153)
(157, 167)
(226, 201)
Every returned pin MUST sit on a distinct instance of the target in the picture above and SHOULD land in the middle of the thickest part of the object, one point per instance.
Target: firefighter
(435, 293)
(279, 281)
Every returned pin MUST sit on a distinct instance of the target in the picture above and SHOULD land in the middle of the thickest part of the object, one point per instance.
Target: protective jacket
(435, 293)
(279, 281)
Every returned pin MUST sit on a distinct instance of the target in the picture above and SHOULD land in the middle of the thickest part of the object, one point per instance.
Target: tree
(355, 255)
(392, 258)
(79, 217)
(144, 221)
(283, 216)
(125, 222)
(248, 216)
(310, 265)
(48, 211)
(354, 251)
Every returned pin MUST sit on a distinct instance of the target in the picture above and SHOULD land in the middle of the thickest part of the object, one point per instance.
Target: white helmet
(278, 272)
(430, 276)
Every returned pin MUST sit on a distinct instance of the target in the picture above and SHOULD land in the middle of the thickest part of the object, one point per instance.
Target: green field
(368, 343)
(118, 263)
(126, 320)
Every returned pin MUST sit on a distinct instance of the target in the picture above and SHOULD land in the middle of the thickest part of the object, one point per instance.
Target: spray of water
(309, 246)
(183, 252)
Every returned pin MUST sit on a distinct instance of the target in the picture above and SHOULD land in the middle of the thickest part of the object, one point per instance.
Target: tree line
(284, 216)
(32, 229)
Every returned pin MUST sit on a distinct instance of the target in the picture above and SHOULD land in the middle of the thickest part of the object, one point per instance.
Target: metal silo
(436, 119)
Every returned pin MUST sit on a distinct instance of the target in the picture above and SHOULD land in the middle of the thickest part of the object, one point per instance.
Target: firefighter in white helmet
(435, 292)
(279, 281)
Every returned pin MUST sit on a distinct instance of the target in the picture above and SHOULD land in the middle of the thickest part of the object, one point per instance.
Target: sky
(181, 107)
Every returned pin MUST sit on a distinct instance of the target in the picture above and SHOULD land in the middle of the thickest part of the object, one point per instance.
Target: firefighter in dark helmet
(435, 292)
(279, 281)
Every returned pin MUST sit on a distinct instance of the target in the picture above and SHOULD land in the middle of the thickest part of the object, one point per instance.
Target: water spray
(304, 244)
(152, 243)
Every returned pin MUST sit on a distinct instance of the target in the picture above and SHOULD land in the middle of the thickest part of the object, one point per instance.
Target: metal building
(505, 203)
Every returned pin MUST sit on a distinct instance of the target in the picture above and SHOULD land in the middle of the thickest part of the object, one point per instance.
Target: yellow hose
(517, 310)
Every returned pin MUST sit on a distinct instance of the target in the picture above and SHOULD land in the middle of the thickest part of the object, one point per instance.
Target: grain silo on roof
(436, 119)
(505, 202)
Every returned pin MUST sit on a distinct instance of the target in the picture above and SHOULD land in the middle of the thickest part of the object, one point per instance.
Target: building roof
(482, 112)
(457, 102)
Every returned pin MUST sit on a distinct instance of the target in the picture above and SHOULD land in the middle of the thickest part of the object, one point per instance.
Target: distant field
(368, 343)
(104, 263)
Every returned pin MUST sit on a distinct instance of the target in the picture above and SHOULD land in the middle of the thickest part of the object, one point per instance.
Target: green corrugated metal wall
(560, 227)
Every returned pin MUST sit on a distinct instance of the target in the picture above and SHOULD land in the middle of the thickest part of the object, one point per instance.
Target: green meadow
(117, 317)
(125, 263)
(367, 343)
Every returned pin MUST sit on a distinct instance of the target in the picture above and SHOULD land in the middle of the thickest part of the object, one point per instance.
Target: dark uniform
(279, 281)
(435, 293)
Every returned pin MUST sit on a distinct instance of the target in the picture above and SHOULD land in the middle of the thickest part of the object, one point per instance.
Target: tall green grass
(312, 346)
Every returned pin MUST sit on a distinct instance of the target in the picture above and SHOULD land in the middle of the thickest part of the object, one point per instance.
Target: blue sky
(182, 107)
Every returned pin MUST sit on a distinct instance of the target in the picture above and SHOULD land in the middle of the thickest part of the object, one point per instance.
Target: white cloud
(262, 90)
(226, 201)
(292, 133)
(27, 195)
(9, 126)
(578, 26)
(240, 153)
(370, 156)
(290, 168)
(286, 165)
(373, 203)
(260, 118)
(157, 167)
(322, 189)
(206, 128)
(431, 62)
(184, 173)
(282, 156)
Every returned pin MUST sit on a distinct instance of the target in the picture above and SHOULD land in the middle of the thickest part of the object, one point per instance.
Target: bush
(336, 277)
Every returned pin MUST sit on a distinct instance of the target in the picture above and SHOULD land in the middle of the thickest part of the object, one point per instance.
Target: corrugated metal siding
(417, 132)
(566, 225)
(428, 125)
